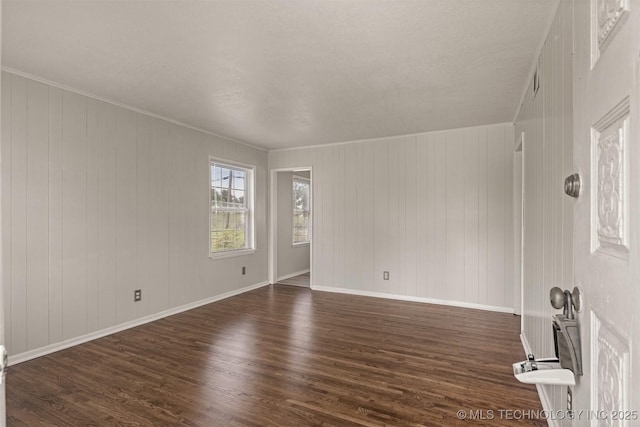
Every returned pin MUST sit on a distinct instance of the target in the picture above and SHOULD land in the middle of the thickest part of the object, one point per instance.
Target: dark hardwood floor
(299, 280)
(284, 356)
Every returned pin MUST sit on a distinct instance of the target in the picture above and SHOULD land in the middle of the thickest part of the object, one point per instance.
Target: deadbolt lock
(572, 185)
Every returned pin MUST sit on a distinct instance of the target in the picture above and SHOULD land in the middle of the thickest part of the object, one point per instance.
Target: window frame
(250, 241)
(293, 210)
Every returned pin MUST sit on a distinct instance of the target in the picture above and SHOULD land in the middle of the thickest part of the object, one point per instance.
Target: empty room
(320, 212)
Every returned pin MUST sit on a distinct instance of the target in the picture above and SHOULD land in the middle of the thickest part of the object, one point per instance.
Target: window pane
(225, 176)
(238, 197)
(300, 195)
(229, 203)
(217, 196)
(301, 212)
(217, 220)
(238, 180)
(225, 198)
(216, 180)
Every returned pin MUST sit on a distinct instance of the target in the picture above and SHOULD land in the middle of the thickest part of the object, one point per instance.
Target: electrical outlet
(244, 270)
(385, 275)
(137, 295)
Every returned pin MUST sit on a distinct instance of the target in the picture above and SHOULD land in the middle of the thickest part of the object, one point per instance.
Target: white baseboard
(52, 348)
(413, 299)
(542, 393)
(525, 343)
(290, 275)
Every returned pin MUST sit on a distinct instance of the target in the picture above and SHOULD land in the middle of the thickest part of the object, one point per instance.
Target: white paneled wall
(434, 209)
(546, 121)
(99, 200)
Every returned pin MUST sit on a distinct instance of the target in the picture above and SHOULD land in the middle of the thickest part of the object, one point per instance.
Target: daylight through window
(301, 210)
(231, 204)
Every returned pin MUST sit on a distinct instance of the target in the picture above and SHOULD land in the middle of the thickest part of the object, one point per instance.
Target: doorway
(291, 225)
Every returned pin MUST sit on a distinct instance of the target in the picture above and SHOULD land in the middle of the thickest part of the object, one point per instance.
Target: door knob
(565, 300)
(572, 185)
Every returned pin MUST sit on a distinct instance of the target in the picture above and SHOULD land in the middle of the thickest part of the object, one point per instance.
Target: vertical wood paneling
(351, 224)
(55, 215)
(496, 219)
(454, 193)
(87, 191)
(92, 215)
(6, 203)
(400, 270)
(391, 286)
(37, 307)
(159, 216)
(126, 215)
(107, 126)
(471, 209)
(431, 261)
(74, 214)
(18, 233)
(195, 216)
(440, 215)
(339, 255)
(318, 253)
(483, 216)
(410, 257)
(369, 194)
(326, 211)
(509, 237)
(143, 188)
(363, 210)
(381, 238)
(317, 222)
(432, 209)
(422, 213)
(178, 227)
(360, 252)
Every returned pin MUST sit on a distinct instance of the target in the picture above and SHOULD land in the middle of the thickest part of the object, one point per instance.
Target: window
(301, 210)
(231, 216)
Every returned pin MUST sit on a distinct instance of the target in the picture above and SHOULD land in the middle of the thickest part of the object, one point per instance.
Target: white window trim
(251, 243)
(230, 254)
(293, 205)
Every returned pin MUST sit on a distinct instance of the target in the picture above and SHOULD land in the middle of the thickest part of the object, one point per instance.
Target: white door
(607, 213)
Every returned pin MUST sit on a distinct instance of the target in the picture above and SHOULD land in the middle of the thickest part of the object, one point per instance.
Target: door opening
(291, 227)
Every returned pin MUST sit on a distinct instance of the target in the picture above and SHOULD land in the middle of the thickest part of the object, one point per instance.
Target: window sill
(295, 245)
(231, 254)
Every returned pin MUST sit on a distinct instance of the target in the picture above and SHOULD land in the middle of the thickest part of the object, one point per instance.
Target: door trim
(273, 222)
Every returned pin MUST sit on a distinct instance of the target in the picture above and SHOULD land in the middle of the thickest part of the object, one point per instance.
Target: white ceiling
(285, 73)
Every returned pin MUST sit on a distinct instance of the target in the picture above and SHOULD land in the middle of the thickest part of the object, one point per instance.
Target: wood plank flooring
(284, 356)
(299, 280)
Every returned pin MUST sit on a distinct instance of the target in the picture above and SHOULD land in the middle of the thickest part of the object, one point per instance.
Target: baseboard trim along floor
(52, 348)
(414, 299)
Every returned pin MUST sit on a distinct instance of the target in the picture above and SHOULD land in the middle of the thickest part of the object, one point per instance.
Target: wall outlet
(244, 270)
(385, 275)
(137, 295)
